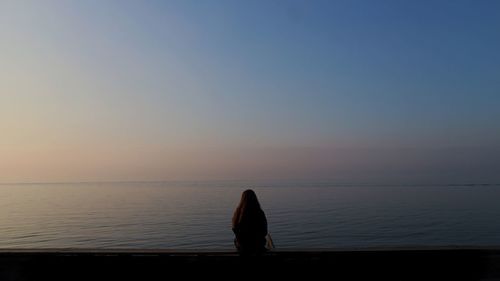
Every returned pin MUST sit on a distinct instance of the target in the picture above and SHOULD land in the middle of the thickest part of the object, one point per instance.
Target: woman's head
(249, 198)
(248, 203)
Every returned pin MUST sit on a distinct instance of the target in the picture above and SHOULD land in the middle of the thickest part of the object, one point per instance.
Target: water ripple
(199, 216)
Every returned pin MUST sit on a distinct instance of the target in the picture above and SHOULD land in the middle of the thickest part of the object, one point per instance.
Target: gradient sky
(357, 91)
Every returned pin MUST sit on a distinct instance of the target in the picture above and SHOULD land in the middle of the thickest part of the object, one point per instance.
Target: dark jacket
(251, 232)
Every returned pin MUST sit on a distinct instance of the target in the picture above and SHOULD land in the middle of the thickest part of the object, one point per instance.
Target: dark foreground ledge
(341, 264)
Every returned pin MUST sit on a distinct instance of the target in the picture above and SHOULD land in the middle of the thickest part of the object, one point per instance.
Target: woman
(249, 224)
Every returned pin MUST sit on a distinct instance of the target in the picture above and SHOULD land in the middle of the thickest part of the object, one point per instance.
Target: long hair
(249, 204)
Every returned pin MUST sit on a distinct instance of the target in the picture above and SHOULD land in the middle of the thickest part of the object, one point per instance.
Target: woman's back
(250, 224)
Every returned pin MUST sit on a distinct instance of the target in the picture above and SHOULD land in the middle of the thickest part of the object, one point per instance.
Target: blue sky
(250, 90)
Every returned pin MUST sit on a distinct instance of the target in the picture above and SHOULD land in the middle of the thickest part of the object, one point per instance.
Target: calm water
(198, 215)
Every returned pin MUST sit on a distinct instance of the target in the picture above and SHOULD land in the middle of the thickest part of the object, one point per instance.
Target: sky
(351, 91)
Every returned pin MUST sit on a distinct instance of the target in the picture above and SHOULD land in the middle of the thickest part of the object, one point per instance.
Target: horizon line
(258, 181)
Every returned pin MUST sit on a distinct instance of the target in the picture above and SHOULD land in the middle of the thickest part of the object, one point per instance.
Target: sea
(197, 215)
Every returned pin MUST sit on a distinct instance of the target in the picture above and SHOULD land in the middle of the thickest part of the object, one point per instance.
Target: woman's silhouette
(249, 224)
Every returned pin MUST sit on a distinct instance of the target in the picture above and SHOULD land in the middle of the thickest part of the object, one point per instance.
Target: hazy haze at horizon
(186, 90)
